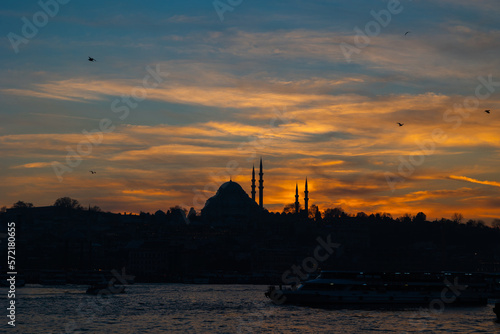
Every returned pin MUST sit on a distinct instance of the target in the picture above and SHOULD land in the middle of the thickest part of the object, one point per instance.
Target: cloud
(486, 6)
(468, 179)
(281, 89)
(34, 165)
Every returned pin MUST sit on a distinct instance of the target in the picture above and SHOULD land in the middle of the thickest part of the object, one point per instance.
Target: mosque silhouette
(231, 205)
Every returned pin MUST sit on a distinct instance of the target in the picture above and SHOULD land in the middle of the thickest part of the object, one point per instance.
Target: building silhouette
(261, 186)
(297, 204)
(253, 183)
(306, 200)
(231, 205)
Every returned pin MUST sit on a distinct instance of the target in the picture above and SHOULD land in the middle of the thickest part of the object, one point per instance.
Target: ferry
(391, 289)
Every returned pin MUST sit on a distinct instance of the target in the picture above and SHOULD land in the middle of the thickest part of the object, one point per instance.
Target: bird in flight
(92, 59)
(93, 172)
(400, 124)
(487, 111)
(406, 33)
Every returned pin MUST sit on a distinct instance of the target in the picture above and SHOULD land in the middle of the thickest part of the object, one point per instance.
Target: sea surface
(185, 308)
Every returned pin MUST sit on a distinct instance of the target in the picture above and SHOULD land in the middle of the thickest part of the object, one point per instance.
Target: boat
(387, 289)
(105, 288)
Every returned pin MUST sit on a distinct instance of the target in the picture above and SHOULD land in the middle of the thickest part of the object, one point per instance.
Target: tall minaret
(261, 187)
(253, 183)
(306, 200)
(297, 205)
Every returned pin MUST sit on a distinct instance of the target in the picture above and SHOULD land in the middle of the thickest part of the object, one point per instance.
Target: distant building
(232, 207)
(306, 200)
(305, 212)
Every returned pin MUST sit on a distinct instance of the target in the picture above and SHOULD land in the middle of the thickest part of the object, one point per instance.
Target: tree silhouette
(177, 209)
(160, 213)
(334, 214)
(191, 214)
(496, 223)
(313, 212)
(95, 208)
(406, 218)
(67, 202)
(361, 215)
(290, 208)
(420, 218)
(457, 218)
(177, 214)
(22, 205)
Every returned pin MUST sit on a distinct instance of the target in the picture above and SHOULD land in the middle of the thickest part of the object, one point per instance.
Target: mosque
(231, 205)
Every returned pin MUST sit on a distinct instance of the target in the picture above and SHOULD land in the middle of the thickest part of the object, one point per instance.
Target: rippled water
(181, 308)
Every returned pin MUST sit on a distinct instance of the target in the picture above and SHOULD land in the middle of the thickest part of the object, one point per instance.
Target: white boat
(396, 288)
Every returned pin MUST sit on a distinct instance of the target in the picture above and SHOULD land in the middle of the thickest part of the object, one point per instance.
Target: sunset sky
(271, 80)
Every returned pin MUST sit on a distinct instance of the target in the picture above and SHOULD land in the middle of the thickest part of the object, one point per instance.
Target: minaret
(261, 187)
(306, 200)
(253, 183)
(297, 205)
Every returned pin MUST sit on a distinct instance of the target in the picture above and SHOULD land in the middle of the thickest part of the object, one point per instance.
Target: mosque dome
(230, 205)
(231, 191)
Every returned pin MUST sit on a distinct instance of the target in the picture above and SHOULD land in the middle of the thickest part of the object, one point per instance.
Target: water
(184, 308)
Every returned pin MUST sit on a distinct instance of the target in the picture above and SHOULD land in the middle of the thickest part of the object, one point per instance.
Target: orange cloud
(468, 179)
(34, 165)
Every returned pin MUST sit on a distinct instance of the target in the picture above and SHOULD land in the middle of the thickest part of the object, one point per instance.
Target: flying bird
(93, 172)
(400, 124)
(406, 33)
(487, 111)
(92, 59)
